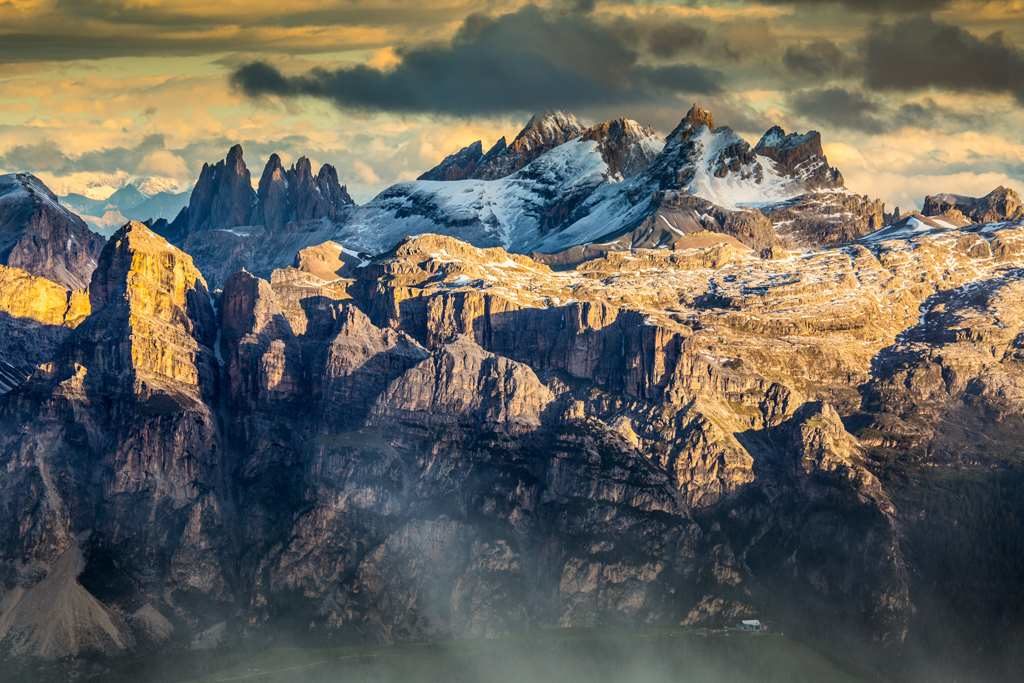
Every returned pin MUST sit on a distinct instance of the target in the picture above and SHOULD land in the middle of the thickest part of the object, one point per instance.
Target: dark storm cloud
(674, 38)
(859, 111)
(527, 60)
(840, 107)
(921, 52)
(819, 59)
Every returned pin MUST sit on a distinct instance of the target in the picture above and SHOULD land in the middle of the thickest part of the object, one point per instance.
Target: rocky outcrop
(124, 454)
(42, 237)
(152, 322)
(825, 218)
(800, 156)
(223, 198)
(1001, 204)
(464, 382)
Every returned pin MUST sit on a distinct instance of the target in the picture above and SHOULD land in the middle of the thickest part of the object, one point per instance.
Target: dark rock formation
(825, 218)
(627, 147)
(296, 196)
(222, 197)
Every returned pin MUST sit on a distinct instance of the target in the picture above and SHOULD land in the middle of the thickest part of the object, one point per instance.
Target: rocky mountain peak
(626, 146)
(541, 133)
(152, 316)
(222, 197)
(799, 155)
(549, 129)
(334, 192)
(138, 267)
(698, 116)
(457, 166)
(273, 167)
(303, 168)
(41, 236)
(234, 158)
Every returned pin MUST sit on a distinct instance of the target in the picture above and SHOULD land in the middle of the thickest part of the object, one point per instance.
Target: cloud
(365, 173)
(46, 154)
(891, 6)
(527, 60)
(858, 111)
(840, 107)
(921, 52)
(163, 162)
(820, 59)
(674, 38)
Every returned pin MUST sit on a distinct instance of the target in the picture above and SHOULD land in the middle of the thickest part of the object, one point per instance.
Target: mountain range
(140, 200)
(587, 378)
(559, 187)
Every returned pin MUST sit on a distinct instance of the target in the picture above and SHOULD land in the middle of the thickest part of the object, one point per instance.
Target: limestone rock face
(327, 261)
(125, 454)
(153, 293)
(452, 441)
(462, 381)
(35, 316)
(42, 237)
(825, 217)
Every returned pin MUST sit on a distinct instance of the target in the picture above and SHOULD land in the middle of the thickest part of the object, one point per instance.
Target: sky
(911, 96)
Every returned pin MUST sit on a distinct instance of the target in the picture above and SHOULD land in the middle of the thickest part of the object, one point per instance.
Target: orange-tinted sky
(912, 96)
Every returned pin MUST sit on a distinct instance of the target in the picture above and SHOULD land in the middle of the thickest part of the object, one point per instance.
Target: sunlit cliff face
(95, 93)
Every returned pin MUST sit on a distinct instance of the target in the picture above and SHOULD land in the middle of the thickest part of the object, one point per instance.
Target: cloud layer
(522, 61)
(905, 92)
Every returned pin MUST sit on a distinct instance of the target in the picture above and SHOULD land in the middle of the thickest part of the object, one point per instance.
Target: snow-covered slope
(514, 212)
(587, 190)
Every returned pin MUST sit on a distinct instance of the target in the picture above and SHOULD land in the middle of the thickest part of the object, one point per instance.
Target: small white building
(752, 626)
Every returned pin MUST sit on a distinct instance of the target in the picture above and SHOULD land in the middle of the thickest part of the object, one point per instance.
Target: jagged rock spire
(222, 197)
(286, 196)
(699, 116)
